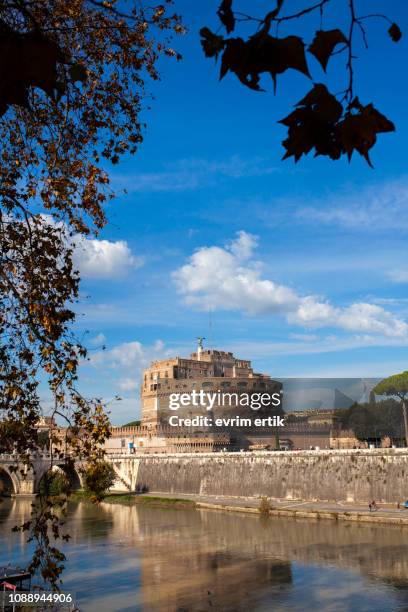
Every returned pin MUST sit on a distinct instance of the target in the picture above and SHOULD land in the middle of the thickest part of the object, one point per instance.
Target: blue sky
(303, 267)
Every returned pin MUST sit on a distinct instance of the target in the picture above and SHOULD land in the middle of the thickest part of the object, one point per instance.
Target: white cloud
(229, 279)
(371, 318)
(98, 258)
(125, 355)
(217, 277)
(244, 245)
(128, 360)
(103, 258)
(189, 174)
(325, 344)
(304, 337)
(98, 340)
(128, 384)
(374, 208)
(361, 317)
(399, 276)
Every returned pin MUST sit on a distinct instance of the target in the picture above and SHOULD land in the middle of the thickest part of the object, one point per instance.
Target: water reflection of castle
(198, 559)
(214, 370)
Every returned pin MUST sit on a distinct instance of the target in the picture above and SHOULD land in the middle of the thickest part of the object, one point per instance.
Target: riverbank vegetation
(265, 506)
(136, 499)
(373, 420)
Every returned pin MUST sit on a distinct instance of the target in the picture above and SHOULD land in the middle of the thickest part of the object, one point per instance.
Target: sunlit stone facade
(210, 370)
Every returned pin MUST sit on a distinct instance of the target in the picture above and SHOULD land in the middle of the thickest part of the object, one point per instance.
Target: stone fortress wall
(326, 475)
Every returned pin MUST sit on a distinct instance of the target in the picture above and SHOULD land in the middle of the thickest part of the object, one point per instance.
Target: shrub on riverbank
(54, 484)
(98, 479)
(265, 506)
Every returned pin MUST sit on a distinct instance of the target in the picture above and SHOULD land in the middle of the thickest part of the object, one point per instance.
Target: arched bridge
(18, 479)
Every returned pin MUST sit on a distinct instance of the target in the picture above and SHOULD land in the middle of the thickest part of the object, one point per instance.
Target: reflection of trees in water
(13, 511)
(88, 522)
(5, 509)
(13, 545)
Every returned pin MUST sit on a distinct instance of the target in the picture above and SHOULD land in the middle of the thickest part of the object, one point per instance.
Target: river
(140, 558)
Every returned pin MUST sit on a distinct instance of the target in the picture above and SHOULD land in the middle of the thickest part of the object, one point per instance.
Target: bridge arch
(69, 472)
(9, 484)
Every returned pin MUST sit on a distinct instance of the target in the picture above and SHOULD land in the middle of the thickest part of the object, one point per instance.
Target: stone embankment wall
(339, 475)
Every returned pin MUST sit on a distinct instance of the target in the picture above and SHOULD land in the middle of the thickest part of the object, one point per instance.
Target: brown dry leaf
(226, 15)
(395, 32)
(263, 53)
(324, 43)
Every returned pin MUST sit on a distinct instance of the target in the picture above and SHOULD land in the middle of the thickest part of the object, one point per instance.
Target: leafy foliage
(318, 122)
(262, 53)
(226, 15)
(393, 386)
(265, 506)
(395, 32)
(396, 385)
(314, 123)
(373, 420)
(328, 124)
(72, 85)
(99, 479)
(211, 43)
(324, 43)
(54, 484)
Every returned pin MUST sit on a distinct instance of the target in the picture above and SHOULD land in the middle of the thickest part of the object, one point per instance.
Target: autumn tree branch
(330, 125)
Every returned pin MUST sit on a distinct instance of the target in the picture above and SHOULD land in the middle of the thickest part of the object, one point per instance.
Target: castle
(215, 371)
(209, 370)
(206, 369)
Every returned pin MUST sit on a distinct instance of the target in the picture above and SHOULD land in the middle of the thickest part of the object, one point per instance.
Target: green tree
(54, 484)
(396, 386)
(98, 479)
(373, 420)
